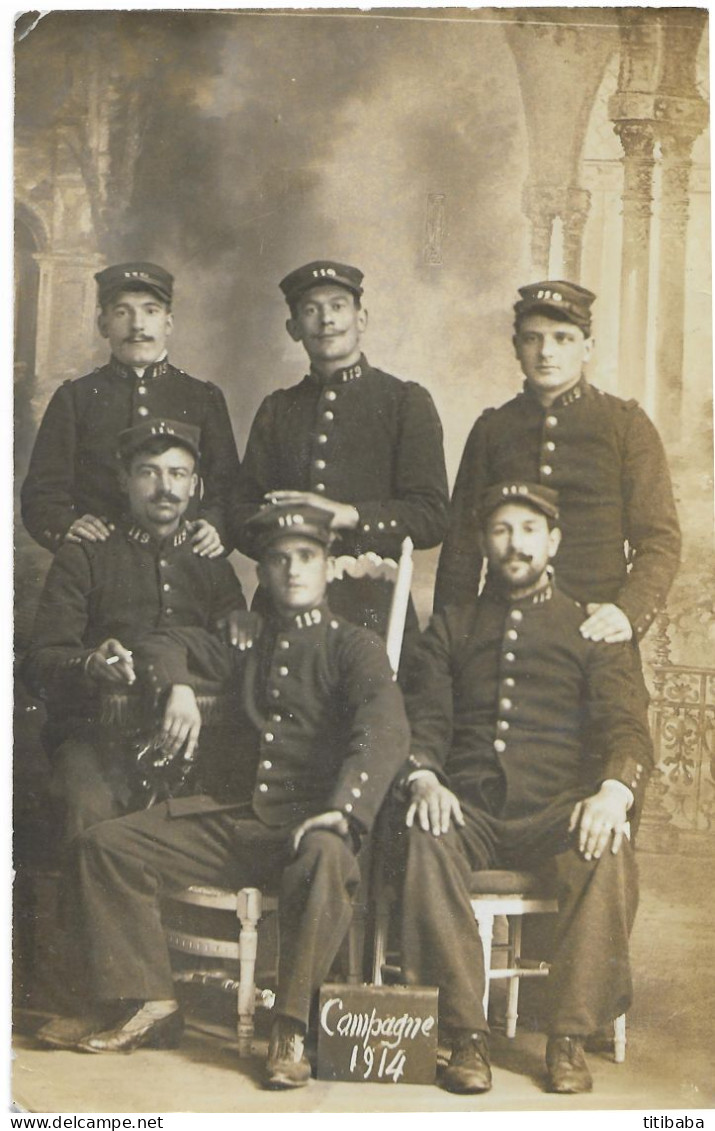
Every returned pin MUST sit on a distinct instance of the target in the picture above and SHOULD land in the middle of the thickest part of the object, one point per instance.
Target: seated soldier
(99, 600)
(530, 748)
(323, 732)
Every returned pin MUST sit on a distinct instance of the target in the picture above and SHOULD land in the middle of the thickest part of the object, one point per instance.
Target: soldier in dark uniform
(601, 453)
(99, 600)
(322, 734)
(363, 445)
(530, 748)
(71, 491)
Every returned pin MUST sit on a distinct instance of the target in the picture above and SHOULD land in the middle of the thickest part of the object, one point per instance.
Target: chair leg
(382, 920)
(514, 956)
(356, 944)
(485, 925)
(249, 910)
(619, 1039)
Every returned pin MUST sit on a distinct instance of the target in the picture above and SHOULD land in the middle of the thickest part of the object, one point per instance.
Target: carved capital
(637, 139)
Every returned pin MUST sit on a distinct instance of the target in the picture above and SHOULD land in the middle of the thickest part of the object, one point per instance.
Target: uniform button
(333, 624)
(512, 634)
(166, 587)
(348, 808)
(363, 776)
(141, 389)
(283, 671)
(320, 464)
(268, 736)
(510, 657)
(163, 563)
(499, 745)
(276, 718)
(263, 788)
(328, 415)
(284, 644)
(516, 615)
(320, 487)
(381, 526)
(331, 395)
(502, 725)
(506, 704)
(267, 765)
(168, 612)
(393, 522)
(638, 767)
(551, 421)
(274, 693)
(550, 446)
(322, 438)
(366, 526)
(509, 682)
(546, 470)
(356, 792)
(143, 410)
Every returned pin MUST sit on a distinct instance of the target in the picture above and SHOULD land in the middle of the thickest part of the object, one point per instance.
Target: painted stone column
(638, 141)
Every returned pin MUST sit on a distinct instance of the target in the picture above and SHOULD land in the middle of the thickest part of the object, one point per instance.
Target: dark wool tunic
(122, 588)
(512, 707)
(605, 458)
(74, 467)
(321, 723)
(361, 437)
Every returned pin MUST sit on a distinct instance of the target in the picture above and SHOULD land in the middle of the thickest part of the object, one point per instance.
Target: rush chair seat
(494, 892)
(250, 905)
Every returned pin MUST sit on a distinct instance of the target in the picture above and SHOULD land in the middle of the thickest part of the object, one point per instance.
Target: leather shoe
(141, 1029)
(67, 1032)
(287, 1065)
(468, 1071)
(566, 1065)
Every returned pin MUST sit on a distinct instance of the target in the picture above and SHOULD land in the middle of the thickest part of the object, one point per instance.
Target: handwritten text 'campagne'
(366, 1026)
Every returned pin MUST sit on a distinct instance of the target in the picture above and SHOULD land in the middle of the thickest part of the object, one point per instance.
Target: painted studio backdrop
(453, 155)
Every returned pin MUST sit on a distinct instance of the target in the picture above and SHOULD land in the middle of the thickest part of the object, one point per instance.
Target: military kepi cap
(280, 520)
(571, 302)
(321, 273)
(134, 277)
(182, 435)
(543, 499)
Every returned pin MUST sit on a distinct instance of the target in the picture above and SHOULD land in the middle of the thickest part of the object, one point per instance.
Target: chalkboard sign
(380, 1034)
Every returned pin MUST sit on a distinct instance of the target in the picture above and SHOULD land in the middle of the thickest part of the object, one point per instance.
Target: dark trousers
(122, 867)
(590, 979)
(89, 784)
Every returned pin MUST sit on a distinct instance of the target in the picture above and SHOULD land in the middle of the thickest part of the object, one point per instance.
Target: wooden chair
(495, 892)
(250, 905)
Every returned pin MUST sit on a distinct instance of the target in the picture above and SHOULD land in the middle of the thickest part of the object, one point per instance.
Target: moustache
(515, 556)
(138, 338)
(164, 497)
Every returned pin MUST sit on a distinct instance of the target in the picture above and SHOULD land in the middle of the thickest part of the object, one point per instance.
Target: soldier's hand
(239, 628)
(112, 664)
(600, 819)
(606, 622)
(334, 820)
(205, 539)
(345, 516)
(181, 723)
(89, 528)
(433, 804)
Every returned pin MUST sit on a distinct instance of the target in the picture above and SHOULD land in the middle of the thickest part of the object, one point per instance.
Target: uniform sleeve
(220, 465)
(460, 563)
(226, 590)
(618, 737)
(47, 495)
(378, 732)
(187, 656)
(257, 476)
(652, 526)
(429, 701)
(418, 508)
(54, 665)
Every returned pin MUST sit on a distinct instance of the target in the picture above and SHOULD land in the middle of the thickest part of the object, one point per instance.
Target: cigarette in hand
(115, 659)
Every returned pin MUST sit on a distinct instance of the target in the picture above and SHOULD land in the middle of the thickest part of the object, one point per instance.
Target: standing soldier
(350, 439)
(601, 453)
(72, 492)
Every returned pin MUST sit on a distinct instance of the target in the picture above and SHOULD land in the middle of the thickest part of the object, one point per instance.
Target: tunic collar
(308, 618)
(136, 533)
(540, 597)
(157, 369)
(575, 393)
(341, 376)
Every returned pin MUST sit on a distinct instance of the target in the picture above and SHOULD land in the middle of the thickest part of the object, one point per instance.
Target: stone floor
(669, 1062)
